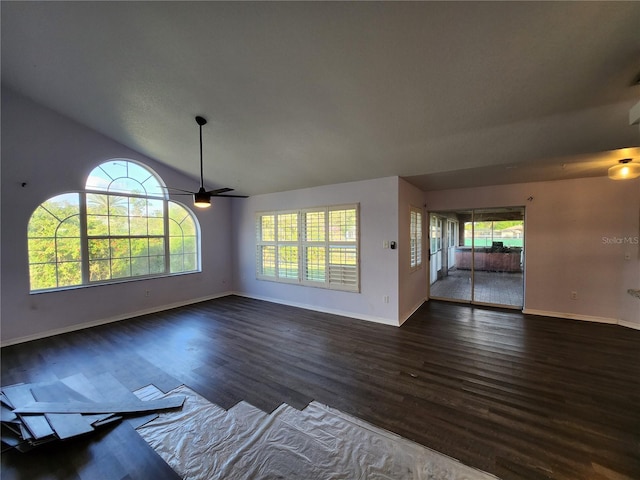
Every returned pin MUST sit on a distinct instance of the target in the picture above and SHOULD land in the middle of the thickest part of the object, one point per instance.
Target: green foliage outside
(125, 238)
(505, 231)
(54, 243)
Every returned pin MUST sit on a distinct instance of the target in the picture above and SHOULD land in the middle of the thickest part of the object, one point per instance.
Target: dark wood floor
(518, 396)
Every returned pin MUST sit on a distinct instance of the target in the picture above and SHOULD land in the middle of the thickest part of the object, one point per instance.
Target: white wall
(412, 285)
(53, 155)
(568, 224)
(378, 201)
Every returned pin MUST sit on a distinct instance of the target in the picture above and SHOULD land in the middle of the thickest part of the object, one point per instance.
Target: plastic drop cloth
(203, 442)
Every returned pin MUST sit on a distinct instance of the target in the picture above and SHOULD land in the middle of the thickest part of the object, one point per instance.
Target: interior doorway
(477, 256)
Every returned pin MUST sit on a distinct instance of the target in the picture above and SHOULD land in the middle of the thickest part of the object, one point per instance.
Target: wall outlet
(385, 299)
(147, 293)
(574, 295)
(385, 244)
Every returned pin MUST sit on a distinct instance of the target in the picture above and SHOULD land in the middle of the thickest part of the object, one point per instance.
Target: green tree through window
(122, 226)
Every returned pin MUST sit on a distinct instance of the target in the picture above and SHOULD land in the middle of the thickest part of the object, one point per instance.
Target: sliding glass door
(446, 278)
(478, 256)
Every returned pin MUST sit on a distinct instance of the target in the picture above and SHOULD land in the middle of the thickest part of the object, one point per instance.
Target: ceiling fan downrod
(201, 121)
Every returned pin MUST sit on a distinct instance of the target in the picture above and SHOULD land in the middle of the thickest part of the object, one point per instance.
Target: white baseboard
(571, 316)
(103, 321)
(624, 323)
(315, 308)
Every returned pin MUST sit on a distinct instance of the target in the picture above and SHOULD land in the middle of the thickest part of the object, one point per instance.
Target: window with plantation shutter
(314, 247)
(415, 236)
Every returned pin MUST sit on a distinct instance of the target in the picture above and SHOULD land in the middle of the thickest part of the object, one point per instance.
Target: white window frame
(83, 257)
(336, 276)
(416, 237)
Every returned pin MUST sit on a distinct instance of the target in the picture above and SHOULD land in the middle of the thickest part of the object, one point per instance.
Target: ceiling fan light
(624, 170)
(201, 200)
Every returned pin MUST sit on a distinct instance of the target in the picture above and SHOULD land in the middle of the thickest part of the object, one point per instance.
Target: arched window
(122, 226)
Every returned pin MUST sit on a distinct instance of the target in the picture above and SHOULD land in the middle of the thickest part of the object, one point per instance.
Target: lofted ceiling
(301, 94)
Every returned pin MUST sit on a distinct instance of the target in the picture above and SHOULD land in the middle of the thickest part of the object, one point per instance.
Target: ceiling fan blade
(180, 190)
(219, 191)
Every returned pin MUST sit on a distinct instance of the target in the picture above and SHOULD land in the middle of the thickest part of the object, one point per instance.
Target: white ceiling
(300, 94)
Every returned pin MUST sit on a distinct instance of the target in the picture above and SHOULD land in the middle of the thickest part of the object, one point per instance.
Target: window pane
(118, 225)
(288, 262)
(68, 249)
(43, 224)
(69, 274)
(288, 227)
(43, 276)
(99, 270)
(189, 227)
(156, 246)
(70, 227)
(176, 245)
(156, 264)
(190, 262)
(268, 228)
(176, 263)
(315, 226)
(145, 177)
(97, 225)
(177, 212)
(138, 226)
(118, 205)
(126, 185)
(99, 249)
(156, 226)
(190, 245)
(175, 230)
(342, 225)
(97, 204)
(267, 256)
(137, 207)
(139, 266)
(42, 250)
(139, 247)
(46, 219)
(342, 255)
(98, 179)
(124, 176)
(315, 264)
(53, 242)
(155, 208)
(120, 248)
(120, 268)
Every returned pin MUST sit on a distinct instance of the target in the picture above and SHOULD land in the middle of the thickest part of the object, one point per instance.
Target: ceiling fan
(202, 198)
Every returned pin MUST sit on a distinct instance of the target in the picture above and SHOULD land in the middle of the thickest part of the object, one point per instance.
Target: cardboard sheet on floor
(203, 441)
